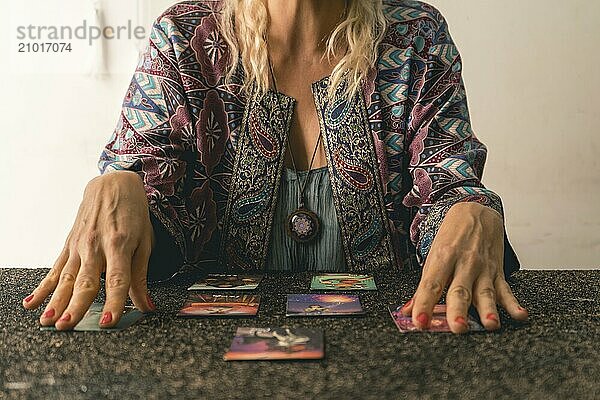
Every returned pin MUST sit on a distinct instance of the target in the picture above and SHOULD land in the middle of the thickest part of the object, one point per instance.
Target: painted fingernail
(492, 317)
(461, 320)
(65, 318)
(49, 313)
(106, 318)
(28, 298)
(408, 304)
(423, 319)
(150, 302)
(523, 310)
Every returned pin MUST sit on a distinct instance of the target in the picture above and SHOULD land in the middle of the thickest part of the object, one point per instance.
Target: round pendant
(303, 225)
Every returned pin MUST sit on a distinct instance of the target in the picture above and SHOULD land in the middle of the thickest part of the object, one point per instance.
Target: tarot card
(91, 320)
(438, 321)
(276, 344)
(227, 282)
(343, 282)
(322, 305)
(216, 305)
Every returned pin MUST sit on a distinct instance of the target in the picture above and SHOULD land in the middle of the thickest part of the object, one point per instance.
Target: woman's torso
(225, 171)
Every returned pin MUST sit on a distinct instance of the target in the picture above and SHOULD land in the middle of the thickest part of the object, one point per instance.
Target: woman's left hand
(467, 255)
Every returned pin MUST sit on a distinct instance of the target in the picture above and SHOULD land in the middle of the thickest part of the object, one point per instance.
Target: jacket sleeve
(446, 158)
(154, 138)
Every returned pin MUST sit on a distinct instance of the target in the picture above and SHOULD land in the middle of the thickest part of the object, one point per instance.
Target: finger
(85, 290)
(507, 299)
(484, 299)
(437, 271)
(62, 295)
(48, 284)
(406, 309)
(139, 279)
(118, 279)
(458, 300)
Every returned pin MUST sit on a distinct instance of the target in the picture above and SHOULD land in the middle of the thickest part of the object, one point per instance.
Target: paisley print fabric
(357, 187)
(256, 177)
(400, 154)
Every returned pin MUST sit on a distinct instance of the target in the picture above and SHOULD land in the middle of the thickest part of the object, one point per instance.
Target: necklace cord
(301, 187)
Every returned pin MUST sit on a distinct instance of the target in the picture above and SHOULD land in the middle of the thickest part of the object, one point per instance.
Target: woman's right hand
(112, 233)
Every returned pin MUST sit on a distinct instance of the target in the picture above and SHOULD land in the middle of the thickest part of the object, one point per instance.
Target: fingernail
(423, 319)
(461, 320)
(150, 302)
(106, 318)
(28, 298)
(408, 303)
(492, 317)
(49, 313)
(65, 318)
(524, 310)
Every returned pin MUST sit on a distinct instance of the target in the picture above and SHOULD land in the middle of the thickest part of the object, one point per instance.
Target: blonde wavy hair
(244, 25)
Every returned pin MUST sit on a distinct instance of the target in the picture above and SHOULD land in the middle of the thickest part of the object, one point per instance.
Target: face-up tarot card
(91, 320)
(216, 305)
(227, 282)
(276, 344)
(322, 305)
(343, 282)
(438, 321)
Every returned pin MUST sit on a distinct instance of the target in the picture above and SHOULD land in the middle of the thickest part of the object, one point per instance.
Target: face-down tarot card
(91, 320)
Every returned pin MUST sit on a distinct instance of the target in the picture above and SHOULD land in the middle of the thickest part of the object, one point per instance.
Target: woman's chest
(352, 162)
(305, 150)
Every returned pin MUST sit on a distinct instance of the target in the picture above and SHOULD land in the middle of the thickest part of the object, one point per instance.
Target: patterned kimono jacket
(400, 153)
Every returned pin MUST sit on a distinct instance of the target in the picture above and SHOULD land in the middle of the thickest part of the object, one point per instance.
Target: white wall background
(56, 120)
(533, 87)
(530, 71)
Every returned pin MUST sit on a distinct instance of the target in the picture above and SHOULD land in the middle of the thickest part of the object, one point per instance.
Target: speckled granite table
(555, 356)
